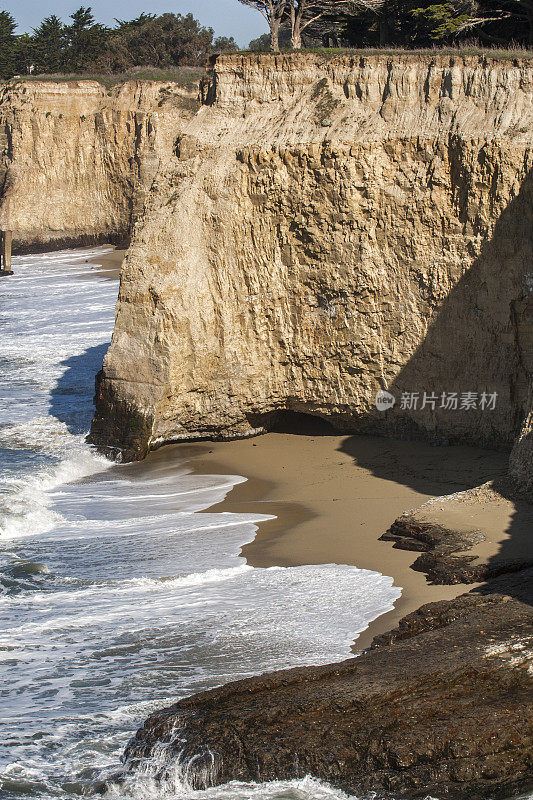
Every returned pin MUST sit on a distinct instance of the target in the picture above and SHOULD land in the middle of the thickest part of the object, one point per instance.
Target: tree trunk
(384, 32)
(274, 36)
(296, 26)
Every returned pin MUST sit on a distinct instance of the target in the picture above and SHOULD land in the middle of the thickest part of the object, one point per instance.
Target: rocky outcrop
(327, 229)
(521, 463)
(76, 161)
(445, 529)
(437, 707)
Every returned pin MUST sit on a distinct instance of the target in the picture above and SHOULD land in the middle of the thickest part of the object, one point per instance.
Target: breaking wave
(119, 591)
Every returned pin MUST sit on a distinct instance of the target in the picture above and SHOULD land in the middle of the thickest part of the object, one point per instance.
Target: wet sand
(333, 497)
(108, 265)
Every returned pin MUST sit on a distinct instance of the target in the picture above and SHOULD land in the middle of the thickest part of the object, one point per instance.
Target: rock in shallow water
(438, 706)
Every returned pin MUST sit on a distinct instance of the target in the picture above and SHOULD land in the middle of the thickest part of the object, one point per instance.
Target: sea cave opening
(295, 422)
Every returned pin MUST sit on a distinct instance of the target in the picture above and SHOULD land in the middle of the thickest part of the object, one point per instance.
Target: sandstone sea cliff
(325, 229)
(76, 160)
(321, 230)
(318, 230)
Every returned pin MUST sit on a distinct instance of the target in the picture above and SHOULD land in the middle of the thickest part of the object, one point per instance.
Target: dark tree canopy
(82, 44)
(414, 23)
(165, 41)
(125, 25)
(85, 39)
(85, 45)
(405, 23)
(49, 41)
(8, 44)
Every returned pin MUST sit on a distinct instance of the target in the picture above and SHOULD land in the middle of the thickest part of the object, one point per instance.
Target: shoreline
(334, 496)
(309, 496)
(108, 265)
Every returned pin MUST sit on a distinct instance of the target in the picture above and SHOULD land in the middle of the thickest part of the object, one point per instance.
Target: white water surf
(119, 592)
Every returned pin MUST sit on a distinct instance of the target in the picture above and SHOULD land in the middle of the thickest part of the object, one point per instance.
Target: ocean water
(119, 591)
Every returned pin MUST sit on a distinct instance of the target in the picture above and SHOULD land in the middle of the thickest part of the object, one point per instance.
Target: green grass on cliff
(186, 77)
(466, 50)
(512, 52)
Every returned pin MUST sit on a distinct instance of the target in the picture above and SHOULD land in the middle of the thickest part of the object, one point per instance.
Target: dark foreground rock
(440, 546)
(444, 536)
(438, 706)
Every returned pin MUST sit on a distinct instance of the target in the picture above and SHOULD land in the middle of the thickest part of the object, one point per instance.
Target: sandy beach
(333, 496)
(109, 264)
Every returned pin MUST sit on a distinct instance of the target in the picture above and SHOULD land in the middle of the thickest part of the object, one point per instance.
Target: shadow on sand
(482, 341)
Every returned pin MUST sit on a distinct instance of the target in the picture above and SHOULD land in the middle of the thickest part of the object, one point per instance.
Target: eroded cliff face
(326, 229)
(76, 160)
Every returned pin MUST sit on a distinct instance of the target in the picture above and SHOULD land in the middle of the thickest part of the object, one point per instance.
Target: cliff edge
(325, 229)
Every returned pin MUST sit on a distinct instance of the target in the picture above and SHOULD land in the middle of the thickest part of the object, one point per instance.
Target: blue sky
(227, 17)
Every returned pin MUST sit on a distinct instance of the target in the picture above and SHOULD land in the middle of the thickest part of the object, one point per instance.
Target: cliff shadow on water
(483, 331)
(71, 400)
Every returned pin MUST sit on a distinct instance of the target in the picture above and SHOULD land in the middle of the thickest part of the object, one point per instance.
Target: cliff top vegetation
(513, 51)
(185, 77)
(85, 46)
(189, 78)
(153, 46)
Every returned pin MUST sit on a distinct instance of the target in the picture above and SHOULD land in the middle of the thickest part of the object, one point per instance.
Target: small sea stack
(6, 240)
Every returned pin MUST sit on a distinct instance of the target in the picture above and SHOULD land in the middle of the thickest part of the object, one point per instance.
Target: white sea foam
(26, 502)
(120, 591)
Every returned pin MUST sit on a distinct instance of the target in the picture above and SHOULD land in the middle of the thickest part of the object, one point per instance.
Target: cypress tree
(49, 45)
(7, 45)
